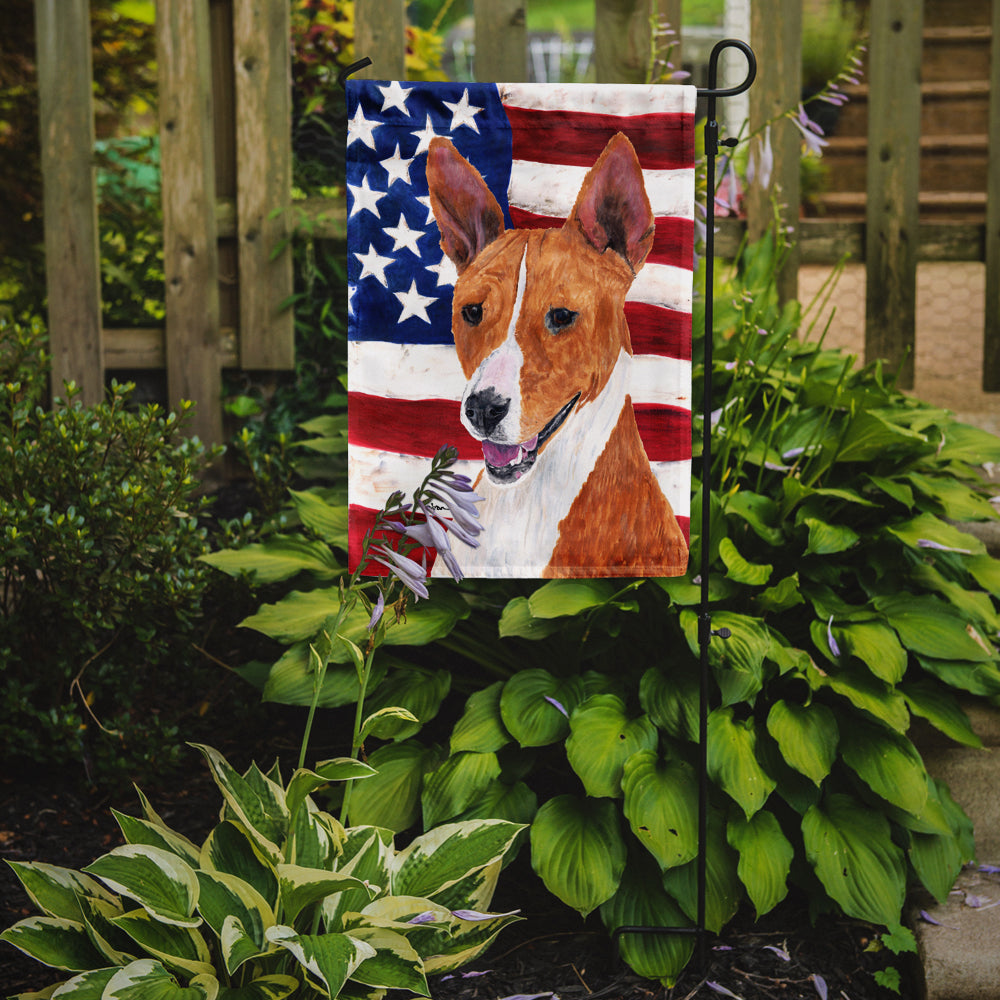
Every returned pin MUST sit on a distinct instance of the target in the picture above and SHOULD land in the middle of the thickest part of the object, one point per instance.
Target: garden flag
(520, 279)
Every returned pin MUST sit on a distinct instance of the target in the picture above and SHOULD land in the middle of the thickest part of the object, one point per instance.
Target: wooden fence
(226, 161)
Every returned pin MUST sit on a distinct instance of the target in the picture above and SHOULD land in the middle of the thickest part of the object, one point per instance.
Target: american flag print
(533, 144)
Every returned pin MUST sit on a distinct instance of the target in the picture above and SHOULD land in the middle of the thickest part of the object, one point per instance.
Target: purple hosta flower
(427, 917)
(719, 988)
(820, 983)
(927, 918)
(780, 952)
(465, 975)
(928, 543)
(475, 915)
(990, 869)
(531, 996)
(761, 163)
(411, 574)
(377, 611)
(727, 197)
(831, 642)
(559, 705)
(811, 132)
(461, 504)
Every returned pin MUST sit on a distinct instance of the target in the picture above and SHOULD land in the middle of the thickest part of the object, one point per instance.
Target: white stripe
(631, 99)
(551, 189)
(431, 371)
(374, 475)
(662, 285)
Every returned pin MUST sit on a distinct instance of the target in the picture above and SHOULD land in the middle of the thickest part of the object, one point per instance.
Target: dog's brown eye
(559, 318)
(473, 313)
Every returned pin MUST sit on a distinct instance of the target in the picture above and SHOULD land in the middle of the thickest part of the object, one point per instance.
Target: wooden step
(956, 53)
(957, 206)
(938, 13)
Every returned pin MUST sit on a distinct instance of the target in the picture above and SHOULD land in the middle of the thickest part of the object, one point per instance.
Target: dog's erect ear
(612, 209)
(466, 211)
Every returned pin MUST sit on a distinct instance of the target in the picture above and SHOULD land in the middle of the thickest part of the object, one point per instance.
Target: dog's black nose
(485, 409)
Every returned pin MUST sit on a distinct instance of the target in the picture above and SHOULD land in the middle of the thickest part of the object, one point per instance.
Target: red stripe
(661, 141)
(665, 431)
(673, 239)
(408, 426)
(659, 331)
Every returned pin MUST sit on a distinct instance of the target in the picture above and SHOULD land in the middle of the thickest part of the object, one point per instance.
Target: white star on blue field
(400, 284)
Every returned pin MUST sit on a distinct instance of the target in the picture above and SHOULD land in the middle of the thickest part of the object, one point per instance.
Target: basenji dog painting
(540, 332)
(520, 287)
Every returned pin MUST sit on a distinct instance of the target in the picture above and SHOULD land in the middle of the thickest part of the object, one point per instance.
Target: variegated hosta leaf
(315, 838)
(476, 890)
(56, 891)
(367, 853)
(86, 986)
(661, 799)
(441, 857)
(225, 897)
(578, 851)
(456, 784)
(732, 760)
(304, 782)
(468, 939)
(238, 944)
(256, 801)
(642, 902)
(807, 736)
(481, 727)
(300, 887)
(274, 987)
(329, 959)
(230, 849)
(602, 737)
(147, 979)
(54, 941)
(395, 964)
(850, 847)
(141, 831)
(535, 706)
(158, 880)
(116, 946)
(765, 858)
(177, 947)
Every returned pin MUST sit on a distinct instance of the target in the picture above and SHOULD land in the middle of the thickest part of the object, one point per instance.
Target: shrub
(99, 539)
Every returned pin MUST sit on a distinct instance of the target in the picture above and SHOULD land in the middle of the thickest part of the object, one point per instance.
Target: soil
(550, 953)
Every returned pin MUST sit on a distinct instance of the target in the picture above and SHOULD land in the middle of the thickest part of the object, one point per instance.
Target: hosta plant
(279, 900)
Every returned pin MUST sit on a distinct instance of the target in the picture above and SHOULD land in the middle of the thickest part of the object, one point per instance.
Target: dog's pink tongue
(499, 455)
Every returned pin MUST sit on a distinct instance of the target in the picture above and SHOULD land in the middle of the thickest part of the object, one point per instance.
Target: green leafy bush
(280, 899)
(101, 587)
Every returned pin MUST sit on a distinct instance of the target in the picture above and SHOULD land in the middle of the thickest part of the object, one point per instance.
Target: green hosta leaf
(976, 678)
(893, 488)
(928, 528)
(275, 987)
(558, 598)
(965, 443)
(443, 856)
(530, 706)
(327, 520)
(417, 690)
(292, 681)
(641, 901)
(758, 511)
(783, 595)
(225, 897)
(957, 501)
(671, 699)
(864, 692)
(738, 569)
(850, 848)
(56, 891)
(976, 605)
(738, 661)
(385, 723)
(141, 831)
(516, 803)
(54, 941)
(330, 959)
(931, 628)
(481, 728)
(578, 851)
(986, 571)
(661, 798)
(888, 763)
(230, 849)
(456, 784)
(937, 859)
(602, 738)
(517, 620)
(827, 539)
(260, 809)
(159, 881)
(807, 736)
(180, 948)
(941, 709)
(723, 889)
(147, 979)
(301, 887)
(876, 646)
(391, 798)
(395, 964)
(279, 558)
(732, 760)
(870, 435)
(765, 858)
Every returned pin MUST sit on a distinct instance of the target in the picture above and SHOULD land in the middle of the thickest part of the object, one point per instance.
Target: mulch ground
(550, 953)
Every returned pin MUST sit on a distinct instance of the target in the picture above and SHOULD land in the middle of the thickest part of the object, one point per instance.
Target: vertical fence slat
(669, 12)
(261, 41)
(621, 40)
(190, 253)
(776, 35)
(380, 34)
(501, 41)
(72, 257)
(991, 332)
(893, 183)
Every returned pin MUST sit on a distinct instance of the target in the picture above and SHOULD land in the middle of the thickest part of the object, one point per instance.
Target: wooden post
(190, 254)
(501, 41)
(72, 255)
(622, 40)
(776, 35)
(991, 333)
(261, 56)
(893, 183)
(380, 34)
(667, 14)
